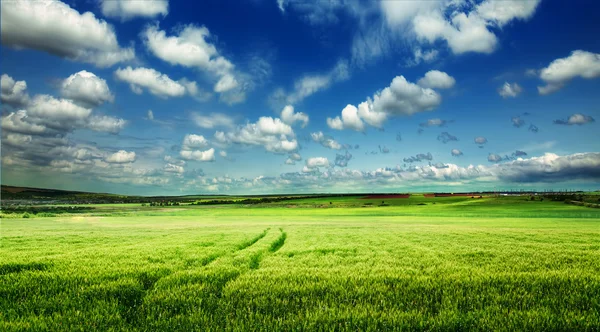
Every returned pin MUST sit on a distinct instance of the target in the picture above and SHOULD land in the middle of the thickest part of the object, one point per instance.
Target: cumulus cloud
(192, 141)
(419, 157)
(494, 158)
(466, 28)
(212, 120)
(289, 117)
(400, 98)
(575, 119)
(191, 48)
(560, 71)
(295, 156)
(106, 124)
(456, 153)
(325, 140)
(155, 82)
(198, 155)
(437, 122)
(446, 137)
(271, 133)
(480, 140)
(172, 168)
(509, 90)
(552, 168)
(87, 89)
(315, 162)
(348, 120)
(436, 79)
(121, 157)
(13, 93)
(48, 26)
(128, 9)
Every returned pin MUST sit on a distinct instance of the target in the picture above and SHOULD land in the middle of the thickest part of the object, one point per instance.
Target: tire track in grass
(215, 282)
(279, 242)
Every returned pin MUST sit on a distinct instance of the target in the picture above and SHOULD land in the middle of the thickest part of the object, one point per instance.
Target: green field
(308, 264)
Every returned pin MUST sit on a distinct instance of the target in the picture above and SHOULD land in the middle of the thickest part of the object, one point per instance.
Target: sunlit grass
(278, 268)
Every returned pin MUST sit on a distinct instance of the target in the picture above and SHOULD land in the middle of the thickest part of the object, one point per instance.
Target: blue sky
(271, 96)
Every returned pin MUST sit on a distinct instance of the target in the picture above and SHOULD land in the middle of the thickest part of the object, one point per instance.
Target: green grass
(459, 264)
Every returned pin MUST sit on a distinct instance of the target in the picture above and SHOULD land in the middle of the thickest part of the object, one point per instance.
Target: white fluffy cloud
(289, 117)
(191, 148)
(576, 119)
(468, 31)
(198, 155)
(508, 90)
(54, 27)
(212, 120)
(86, 88)
(190, 48)
(121, 157)
(400, 98)
(325, 140)
(348, 120)
(157, 83)
(316, 162)
(192, 141)
(271, 133)
(172, 168)
(106, 124)
(436, 79)
(128, 9)
(13, 92)
(579, 64)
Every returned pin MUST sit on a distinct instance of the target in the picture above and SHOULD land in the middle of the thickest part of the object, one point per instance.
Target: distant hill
(15, 190)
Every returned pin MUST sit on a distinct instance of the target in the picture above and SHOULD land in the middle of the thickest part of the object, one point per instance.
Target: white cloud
(121, 157)
(480, 140)
(212, 120)
(223, 154)
(54, 27)
(456, 153)
(295, 156)
(208, 155)
(13, 92)
(86, 88)
(436, 79)
(172, 168)
(400, 98)
(289, 117)
(325, 140)
(192, 141)
(508, 90)
(348, 120)
(576, 119)
(157, 83)
(501, 12)
(311, 84)
(316, 162)
(60, 113)
(18, 122)
(106, 124)
(468, 31)
(150, 115)
(579, 64)
(191, 49)
(271, 133)
(128, 9)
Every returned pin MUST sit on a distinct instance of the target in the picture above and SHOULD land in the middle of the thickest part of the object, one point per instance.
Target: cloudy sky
(271, 96)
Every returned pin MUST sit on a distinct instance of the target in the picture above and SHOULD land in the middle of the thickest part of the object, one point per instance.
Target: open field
(334, 263)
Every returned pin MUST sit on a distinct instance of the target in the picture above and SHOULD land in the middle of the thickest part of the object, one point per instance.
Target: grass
(501, 264)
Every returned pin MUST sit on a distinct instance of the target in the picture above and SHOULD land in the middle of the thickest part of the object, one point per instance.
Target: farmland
(324, 263)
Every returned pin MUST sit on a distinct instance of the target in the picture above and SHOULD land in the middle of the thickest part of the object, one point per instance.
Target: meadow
(329, 263)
